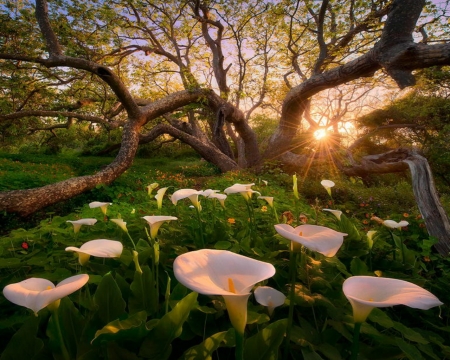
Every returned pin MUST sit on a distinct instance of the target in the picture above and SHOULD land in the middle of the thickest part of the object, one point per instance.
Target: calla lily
(208, 192)
(327, 184)
(159, 196)
(99, 248)
(295, 186)
(265, 182)
(370, 235)
(336, 213)
(317, 238)
(269, 200)
(78, 223)
(151, 187)
(244, 189)
(37, 293)
(367, 292)
(102, 205)
(270, 297)
(394, 224)
(220, 272)
(122, 224)
(187, 193)
(155, 223)
(220, 197)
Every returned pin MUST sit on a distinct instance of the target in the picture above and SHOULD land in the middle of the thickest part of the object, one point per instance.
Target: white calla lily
(208, 192)
(155, 223)
(159, 196)
(99, 248)
(220, 197)
(317, 238)
(102, 205)
(367, 292)
(327, 184)
(336, 213)
(37, 293)
(151, 187)
(370, 235)
(187, 193)
(221, 272)
(270, 297)
(268, 199)
(78, 223)
(394, 224)
(244, 189)
(122, 224)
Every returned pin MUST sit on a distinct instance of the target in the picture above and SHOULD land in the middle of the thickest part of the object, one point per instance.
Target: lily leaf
(264, 345)
(143, 292)
(108, 299)
(205, 350)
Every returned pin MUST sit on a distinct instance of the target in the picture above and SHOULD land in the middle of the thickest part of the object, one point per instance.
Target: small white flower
(102, 205)
(100, 248)
(270, 297)
(78, 223)
(336, 213)
(394, 224)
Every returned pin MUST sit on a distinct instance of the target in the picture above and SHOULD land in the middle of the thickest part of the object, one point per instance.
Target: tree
(120, 60)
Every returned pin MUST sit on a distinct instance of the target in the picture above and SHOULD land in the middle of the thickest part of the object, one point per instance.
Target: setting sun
(320, 134)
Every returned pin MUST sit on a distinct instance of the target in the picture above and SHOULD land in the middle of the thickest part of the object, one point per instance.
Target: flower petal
(268, 296)
(100, 248)
(336, 213)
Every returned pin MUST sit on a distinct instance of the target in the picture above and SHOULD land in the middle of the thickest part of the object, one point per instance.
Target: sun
(320, 134)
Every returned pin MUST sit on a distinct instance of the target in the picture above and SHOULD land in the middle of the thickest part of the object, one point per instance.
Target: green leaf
(222, 245)
(358, 267)
(409, 350)
(264, 345)
(256, 318)
(24, 344)
(109, 301)
(132, 328)
(309, 354)
(206, 348)
(143, 292)
(381, 318)
(157, 345)
(410, 334)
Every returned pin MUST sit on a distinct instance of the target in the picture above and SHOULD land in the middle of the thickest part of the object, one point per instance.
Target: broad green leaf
(115, 352)
(380, 317)
(256, 318)
(222, 245)
(428, 350)
(9, 262)
(132, 328)
(264, 345)
(309, 354)
(143, 292)
(409, 350)
(157, 345)
(358, 267)
(108, 299)
(206, 348)
(410, 334)
(24, 344)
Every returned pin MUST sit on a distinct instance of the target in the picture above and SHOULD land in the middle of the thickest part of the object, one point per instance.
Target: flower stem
(355, 344)
(200, 225)
(293, 274)
(129, 236)
(239, 351)
(63, 348)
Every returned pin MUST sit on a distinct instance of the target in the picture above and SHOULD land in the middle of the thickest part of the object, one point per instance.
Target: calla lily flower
(151, 187)
(155, 223)
(265, 182)
(370, 235)
(394, 224)
(159, 196)
(221, 272)
(101, 205)
(99, 248)
(78, 223)
(122, 224)
(336, 213)
(269, 200)
(270, 297)
(208, 192)
(317, 238)
(37, 293)
(220, 197)
(187, 193)
(295, 186)
(244, 189)
(368, 292)
(327, 184)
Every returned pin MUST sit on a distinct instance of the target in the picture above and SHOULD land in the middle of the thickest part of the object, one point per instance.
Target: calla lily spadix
(327, 184)
(99, 248)
(270, 297)
(37, 293)
(155, 223)
(367, 292)
(102, 205)
(187, 193)
(221, 272)
(244, 189)
(269, 199)
(394, 224)
(78, 223)
(220, 197)
(336, 213)
(159, 196)
(317, 238)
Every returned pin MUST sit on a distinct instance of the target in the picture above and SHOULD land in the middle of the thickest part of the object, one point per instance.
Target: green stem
(129, 236)
(355, 344)
(239, 354)
(393, 244)
(199, 219)
(63, 348)
(293, 274)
